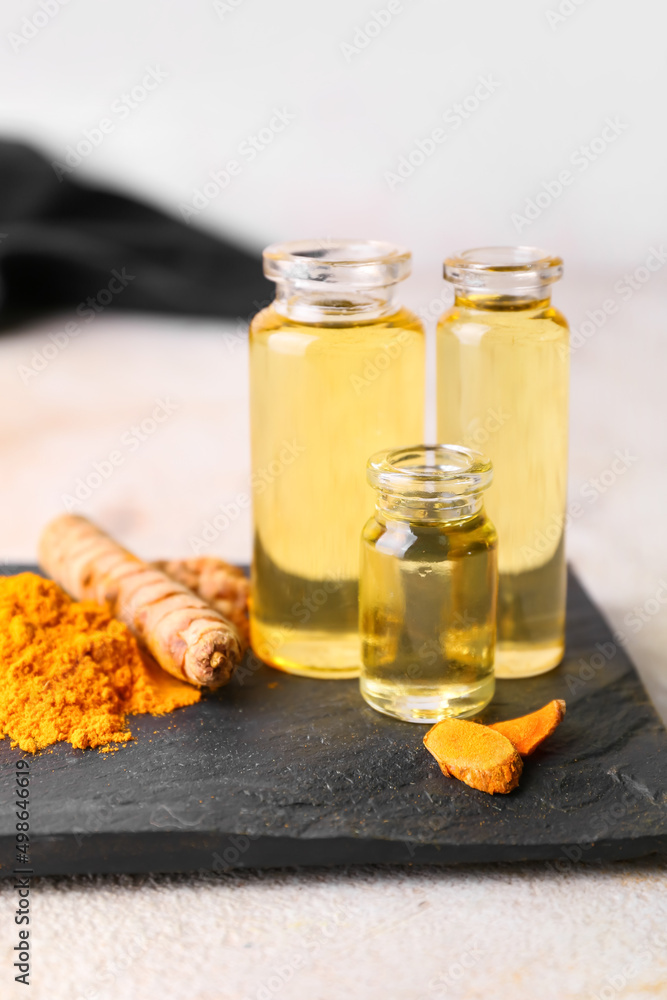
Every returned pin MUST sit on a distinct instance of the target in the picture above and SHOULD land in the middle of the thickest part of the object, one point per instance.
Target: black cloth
(62, 242)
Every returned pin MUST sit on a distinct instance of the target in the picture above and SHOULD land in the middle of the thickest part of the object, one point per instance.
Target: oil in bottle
(428, 585)
(337, 371)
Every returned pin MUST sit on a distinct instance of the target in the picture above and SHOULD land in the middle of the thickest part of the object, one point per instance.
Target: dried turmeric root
(527, 732)
(187, 637)
(475, 754)
(223, 586)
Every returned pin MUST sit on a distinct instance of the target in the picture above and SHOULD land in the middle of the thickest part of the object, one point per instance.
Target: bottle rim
(503, 267)
(346, 263)
(434, 472)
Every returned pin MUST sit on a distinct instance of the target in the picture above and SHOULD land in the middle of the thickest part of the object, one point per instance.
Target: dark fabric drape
(62, 242)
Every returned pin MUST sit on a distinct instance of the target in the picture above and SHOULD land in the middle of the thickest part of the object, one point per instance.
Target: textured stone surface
(280, 770)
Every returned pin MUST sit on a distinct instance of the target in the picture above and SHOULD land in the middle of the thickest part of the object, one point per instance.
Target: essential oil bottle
(503, 372)
(336, 372)
(427, 601)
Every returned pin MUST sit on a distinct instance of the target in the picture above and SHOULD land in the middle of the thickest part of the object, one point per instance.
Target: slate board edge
(174, 852)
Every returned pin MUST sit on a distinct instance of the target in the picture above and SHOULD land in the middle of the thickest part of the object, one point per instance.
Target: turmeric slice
(223, 586)
(475, 754)
(527, 732)
(188, 638)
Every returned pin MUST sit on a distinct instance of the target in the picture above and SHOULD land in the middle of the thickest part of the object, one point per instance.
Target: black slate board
(280, 771)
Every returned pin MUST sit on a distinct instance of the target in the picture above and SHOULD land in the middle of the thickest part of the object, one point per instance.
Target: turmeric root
(527, 732)
(223, 586)
(187, 637)
(475, 754)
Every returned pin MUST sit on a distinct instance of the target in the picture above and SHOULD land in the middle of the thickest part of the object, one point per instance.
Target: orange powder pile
(69, 671)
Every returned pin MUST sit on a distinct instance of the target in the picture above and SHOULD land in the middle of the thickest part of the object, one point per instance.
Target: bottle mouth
(509, 270)
(347, 264)
(424, 474)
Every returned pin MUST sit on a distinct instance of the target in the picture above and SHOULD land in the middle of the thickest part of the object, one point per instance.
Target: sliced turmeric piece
(527, 732)
(475, 754)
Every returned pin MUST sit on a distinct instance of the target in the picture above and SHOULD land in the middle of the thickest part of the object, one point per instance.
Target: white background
(355, 115)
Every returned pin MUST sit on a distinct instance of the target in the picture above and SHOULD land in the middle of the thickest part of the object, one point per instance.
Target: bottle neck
(333, 306)
(507, 278)
(528, 299)
(439, 510)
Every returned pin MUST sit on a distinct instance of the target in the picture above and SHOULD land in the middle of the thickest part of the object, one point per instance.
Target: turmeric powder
(70, 672)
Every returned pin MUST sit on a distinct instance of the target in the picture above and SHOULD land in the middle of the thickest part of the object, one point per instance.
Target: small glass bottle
(336, 372)
(427, 602)
(503, 372)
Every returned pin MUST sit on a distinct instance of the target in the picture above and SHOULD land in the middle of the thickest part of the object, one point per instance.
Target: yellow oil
(428, 617)
(323, 399)
(503, 374)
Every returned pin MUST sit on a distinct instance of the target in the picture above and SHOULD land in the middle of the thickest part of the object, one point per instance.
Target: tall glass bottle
(336, 373)
(503, 372)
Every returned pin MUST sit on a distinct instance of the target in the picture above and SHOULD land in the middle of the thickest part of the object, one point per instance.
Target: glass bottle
(503, 373)
(427, 602)
(336, 372)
